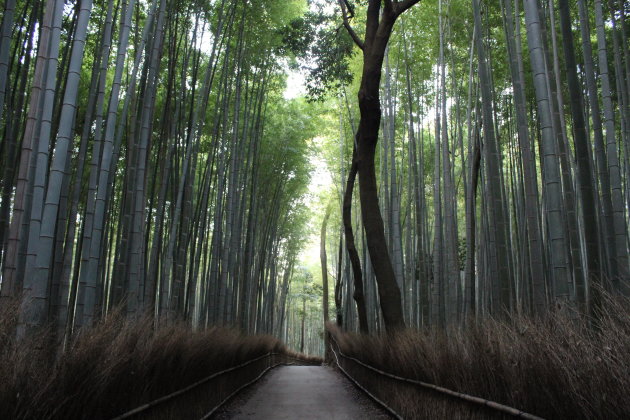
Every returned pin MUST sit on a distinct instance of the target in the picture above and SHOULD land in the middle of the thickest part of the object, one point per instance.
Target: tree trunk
(355, 261)
(323, 258)
(378, 32)
(583, 158)
(552, 189)
(499, 231)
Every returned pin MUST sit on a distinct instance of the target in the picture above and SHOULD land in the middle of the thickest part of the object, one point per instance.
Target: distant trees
(149, 162)
(304, 328)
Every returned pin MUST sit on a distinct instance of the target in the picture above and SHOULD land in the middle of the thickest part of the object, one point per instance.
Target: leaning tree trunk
(323, 258)
(378, 31)
(355, 261)
(338, 284)
(35, 294)
(44, 246)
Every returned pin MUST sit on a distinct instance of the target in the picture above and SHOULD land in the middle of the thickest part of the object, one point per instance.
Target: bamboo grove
(150, 163)
(503, 161)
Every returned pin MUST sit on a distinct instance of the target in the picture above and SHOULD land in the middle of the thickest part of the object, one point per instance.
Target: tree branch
(389, 7)
(346, 22)
(350, 8)
(372, 20)
(402, 5)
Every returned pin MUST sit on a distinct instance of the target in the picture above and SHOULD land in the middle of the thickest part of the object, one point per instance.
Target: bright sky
(321, 182)
(295, 84)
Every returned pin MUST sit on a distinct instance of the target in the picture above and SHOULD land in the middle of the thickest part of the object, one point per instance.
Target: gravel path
(302, 392)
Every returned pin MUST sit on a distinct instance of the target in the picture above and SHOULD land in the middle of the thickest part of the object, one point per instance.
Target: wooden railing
(203, 398)
(391, 391)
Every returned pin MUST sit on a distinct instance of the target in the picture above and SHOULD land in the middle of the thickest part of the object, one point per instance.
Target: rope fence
(386, 388)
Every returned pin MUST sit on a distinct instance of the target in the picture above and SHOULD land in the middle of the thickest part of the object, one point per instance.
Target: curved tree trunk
(355, 261)
(324, 261)
(378, 31)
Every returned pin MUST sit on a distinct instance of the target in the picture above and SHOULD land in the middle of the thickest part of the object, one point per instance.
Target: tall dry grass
(113, 367)
(564, 367)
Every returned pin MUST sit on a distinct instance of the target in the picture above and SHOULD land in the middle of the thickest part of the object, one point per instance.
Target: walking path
(305, 393)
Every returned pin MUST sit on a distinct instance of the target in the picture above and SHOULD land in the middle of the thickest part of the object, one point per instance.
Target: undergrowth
(565, 366)
(114, 367)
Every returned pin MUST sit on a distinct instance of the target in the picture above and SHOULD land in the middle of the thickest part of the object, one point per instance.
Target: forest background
(152, 160)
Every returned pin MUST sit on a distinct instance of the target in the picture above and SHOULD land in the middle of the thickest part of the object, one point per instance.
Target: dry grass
(563, 367)
(114, 367)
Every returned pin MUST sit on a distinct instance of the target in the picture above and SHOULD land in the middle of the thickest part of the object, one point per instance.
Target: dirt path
(303, 392)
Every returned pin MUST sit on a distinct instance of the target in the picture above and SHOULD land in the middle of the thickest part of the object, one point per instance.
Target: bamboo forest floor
(302, 392)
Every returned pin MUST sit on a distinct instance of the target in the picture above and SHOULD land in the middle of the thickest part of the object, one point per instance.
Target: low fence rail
(394, 392)
(203, 398)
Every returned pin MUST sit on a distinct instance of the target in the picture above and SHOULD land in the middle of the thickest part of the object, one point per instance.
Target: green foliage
(322, 48)
(304, 287)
